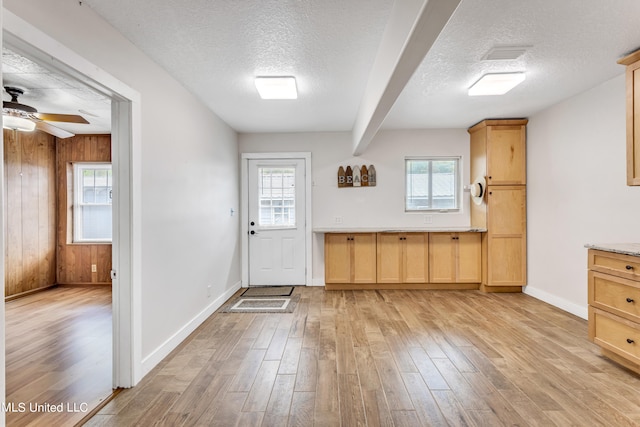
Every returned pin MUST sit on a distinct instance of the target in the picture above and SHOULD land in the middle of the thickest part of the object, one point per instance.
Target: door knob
(252, 232)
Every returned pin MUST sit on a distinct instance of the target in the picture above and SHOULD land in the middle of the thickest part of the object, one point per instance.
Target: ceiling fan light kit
(15, 122)
(276, 87)
(23, 117)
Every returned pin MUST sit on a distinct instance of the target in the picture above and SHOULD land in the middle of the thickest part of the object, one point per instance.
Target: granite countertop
(632, 249)
(399, 230)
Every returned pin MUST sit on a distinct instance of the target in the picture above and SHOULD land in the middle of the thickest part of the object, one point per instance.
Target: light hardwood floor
(58, 350)
(389, 358)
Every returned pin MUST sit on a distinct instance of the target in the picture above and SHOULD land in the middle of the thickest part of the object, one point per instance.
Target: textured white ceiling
(216, 47)
(50, 92)
(574, 46)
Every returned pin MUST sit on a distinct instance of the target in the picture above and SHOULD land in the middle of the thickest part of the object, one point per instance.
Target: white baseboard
(156, 356)
(317, 282)
(561, 303)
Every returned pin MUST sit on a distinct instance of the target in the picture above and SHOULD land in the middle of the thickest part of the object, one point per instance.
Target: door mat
(261, 305)
(268, 291)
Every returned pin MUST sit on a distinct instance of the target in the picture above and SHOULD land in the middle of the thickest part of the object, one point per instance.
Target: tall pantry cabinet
(498, 153)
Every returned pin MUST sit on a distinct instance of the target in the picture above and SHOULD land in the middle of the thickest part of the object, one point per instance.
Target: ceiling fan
(24, 117)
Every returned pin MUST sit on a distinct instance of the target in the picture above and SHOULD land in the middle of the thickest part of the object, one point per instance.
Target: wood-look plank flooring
(386, 358)
(58, 350)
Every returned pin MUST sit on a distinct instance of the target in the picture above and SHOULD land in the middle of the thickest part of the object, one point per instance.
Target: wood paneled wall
(75, 259)
(30, 211)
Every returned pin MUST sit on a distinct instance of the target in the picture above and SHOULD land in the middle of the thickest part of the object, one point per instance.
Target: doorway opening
(125, 151)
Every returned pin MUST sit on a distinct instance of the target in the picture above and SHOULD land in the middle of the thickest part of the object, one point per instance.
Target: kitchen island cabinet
(614, 302)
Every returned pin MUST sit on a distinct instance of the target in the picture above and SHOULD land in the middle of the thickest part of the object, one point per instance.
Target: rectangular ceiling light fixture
(496, 83)
(277, 87)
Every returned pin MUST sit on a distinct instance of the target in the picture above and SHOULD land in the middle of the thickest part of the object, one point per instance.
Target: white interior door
(277, 229)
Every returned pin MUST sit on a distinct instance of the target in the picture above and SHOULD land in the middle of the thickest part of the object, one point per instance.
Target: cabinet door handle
(629, 267)
(629, 299)
(630, 341)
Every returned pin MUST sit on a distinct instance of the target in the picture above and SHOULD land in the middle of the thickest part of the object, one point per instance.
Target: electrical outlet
(337, 219)
(208, 291)
(94, 268)
(428, 219)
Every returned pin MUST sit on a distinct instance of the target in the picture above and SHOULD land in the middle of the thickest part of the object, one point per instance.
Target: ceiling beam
(412, 29)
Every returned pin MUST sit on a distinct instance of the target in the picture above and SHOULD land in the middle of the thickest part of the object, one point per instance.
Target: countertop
(632, 249)
(399, 230)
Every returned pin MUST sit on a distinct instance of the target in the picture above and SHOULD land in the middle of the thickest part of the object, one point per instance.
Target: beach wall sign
(357, 176)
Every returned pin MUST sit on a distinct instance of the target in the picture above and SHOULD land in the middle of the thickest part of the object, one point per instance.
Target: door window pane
(277, 195)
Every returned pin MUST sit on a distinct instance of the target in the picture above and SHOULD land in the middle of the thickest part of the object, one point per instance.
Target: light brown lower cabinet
(417, 260)
(455, 258)
(506, 240)
(402, 258)
(350, 258)
(614, 306)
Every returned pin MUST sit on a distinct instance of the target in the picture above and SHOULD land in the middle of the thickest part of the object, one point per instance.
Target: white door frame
(126, 160)
(244, 208)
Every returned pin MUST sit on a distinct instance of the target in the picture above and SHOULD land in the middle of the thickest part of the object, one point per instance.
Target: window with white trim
(432, 184)
(92, 217)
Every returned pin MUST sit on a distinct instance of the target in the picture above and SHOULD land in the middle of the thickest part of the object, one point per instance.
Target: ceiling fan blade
(53, 130)
(67, 118)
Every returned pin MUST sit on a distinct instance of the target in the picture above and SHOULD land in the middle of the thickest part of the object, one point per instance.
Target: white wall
(189, 179)
(576, 191)
(380, 206)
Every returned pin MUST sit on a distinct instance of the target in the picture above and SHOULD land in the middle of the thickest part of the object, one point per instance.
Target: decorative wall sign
(357, 176)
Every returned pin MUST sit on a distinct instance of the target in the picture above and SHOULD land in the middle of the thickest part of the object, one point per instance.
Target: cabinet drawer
(615, 294)
(617, 264)
(617, 335)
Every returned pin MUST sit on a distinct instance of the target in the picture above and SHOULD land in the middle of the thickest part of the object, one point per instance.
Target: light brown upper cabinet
(403, 257)
(455, 258)
(498, 151)
(350, 257)
(632, 62)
